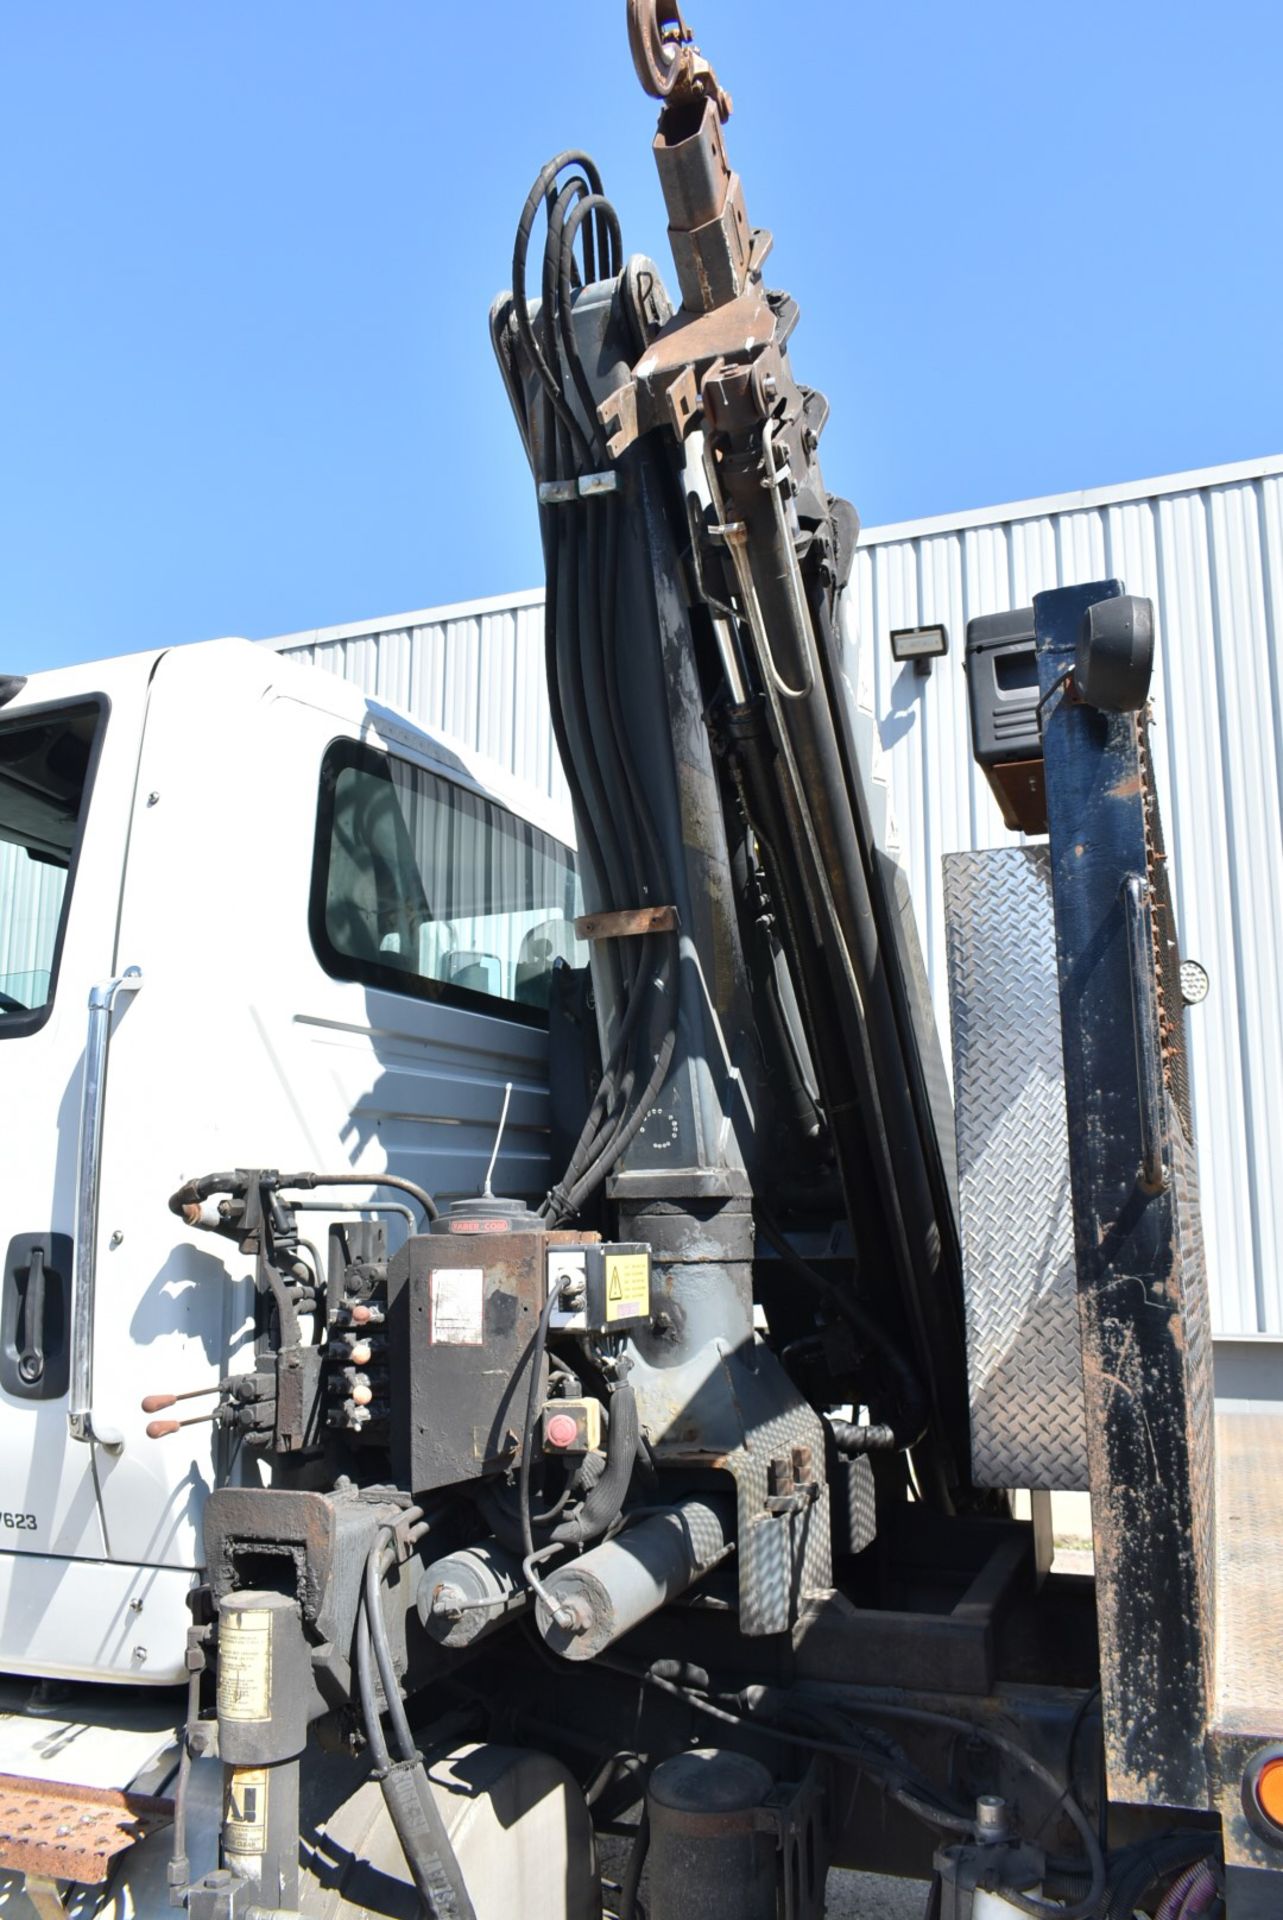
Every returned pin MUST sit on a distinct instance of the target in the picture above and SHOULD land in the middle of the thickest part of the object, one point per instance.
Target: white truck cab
(247, 916)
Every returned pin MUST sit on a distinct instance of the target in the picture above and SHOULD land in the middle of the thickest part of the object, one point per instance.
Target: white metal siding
(1208, 549)
(474, 672)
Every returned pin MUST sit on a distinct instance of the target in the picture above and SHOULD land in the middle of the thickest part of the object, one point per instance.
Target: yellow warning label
(627, 1286)
(245, 1814)
(245, 1666)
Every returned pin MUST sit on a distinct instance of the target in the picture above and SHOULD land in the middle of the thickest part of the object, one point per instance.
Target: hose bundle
(619, 845)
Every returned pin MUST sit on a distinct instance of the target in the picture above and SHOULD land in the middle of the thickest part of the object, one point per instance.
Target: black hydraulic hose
(504, 1522)
(621, 732)
(564, 246)
(570, 683)
(1088, 1907)
(521, 307)
(374, 1733)
(851, 1440)
(1135, 1869)
(307, 1181)
(605, 1160)
(383, 1654)
(414, 1813)
(590, 845)
(604, 1502)
(1085, 1908)
(192, 1192)
(606, 1086)
(538, 1345)
(901, 1783)
(633, 1871)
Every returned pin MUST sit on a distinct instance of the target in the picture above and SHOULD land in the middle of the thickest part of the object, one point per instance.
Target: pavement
(868, 1896)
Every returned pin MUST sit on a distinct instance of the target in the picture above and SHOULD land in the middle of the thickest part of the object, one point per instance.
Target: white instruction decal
(458, 1306)
(245, 1666)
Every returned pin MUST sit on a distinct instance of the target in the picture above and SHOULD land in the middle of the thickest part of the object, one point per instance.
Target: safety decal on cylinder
(458, 1307)
(245, 1666)
(245, 1814)
(627, 1286)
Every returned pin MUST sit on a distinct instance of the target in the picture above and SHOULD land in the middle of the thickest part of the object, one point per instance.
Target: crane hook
(656, 34)
(666, 60)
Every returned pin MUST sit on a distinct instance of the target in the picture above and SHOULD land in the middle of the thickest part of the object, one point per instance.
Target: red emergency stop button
(562, 1430)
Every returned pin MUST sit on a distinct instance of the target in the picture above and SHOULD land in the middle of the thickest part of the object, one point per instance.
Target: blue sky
(249, 246)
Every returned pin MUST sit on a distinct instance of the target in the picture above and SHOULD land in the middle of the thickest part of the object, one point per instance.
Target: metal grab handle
(80, 1414)
(31, 1360)
(1149, 1066)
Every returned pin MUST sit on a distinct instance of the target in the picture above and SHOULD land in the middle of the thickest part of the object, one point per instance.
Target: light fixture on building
(922, 645)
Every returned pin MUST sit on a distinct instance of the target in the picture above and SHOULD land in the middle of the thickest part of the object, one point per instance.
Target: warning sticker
(245, 1815)
(627, 1286)
(245, 1666)
(458, 1306)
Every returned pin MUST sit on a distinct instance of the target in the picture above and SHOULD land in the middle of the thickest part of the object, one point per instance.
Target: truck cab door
(69, 754)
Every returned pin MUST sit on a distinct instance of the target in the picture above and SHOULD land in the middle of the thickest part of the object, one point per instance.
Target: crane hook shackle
(667, 61)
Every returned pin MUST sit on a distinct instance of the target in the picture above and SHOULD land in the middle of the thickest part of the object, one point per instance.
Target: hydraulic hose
(407, 1794)
(193, 1192)
(851, 1440)
(622, 848)
(604, 1502)
(1134, 1870)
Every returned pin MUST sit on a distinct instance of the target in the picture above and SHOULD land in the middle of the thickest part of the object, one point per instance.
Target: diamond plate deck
(1024, 1352)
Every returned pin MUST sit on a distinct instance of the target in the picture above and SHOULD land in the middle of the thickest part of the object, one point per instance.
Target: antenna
(487, 1192)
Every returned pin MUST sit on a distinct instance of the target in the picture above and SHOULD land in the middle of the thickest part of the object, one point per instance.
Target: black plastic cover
(1002, 687)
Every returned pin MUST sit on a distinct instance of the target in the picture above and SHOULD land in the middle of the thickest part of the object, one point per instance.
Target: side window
(424, 887)
(46, 764)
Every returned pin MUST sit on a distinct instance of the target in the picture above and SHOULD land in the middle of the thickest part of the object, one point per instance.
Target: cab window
(424, 887)
(46, 760)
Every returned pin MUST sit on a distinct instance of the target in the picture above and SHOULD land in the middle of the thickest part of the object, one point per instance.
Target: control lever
(159, 1429)
(158, 1402)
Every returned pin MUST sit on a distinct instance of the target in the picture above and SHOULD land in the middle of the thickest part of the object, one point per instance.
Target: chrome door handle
(80, 1413)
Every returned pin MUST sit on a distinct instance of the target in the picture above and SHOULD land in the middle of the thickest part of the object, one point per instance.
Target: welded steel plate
(70, 1832)
(1249, 1567)
(1024, 1353)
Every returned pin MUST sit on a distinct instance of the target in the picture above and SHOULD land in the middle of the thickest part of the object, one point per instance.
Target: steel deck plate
(68, 1832)
(1249, 1568)
(1024, 1354)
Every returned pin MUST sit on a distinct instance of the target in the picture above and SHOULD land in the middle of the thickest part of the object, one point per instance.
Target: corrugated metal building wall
(1208, 549)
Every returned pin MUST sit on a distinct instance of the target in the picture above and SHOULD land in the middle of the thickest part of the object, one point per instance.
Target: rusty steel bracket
(666, 387)
(54, 1831)
(627, 924)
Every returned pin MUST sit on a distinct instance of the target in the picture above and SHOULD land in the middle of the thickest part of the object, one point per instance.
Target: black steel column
(1146, 1345)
